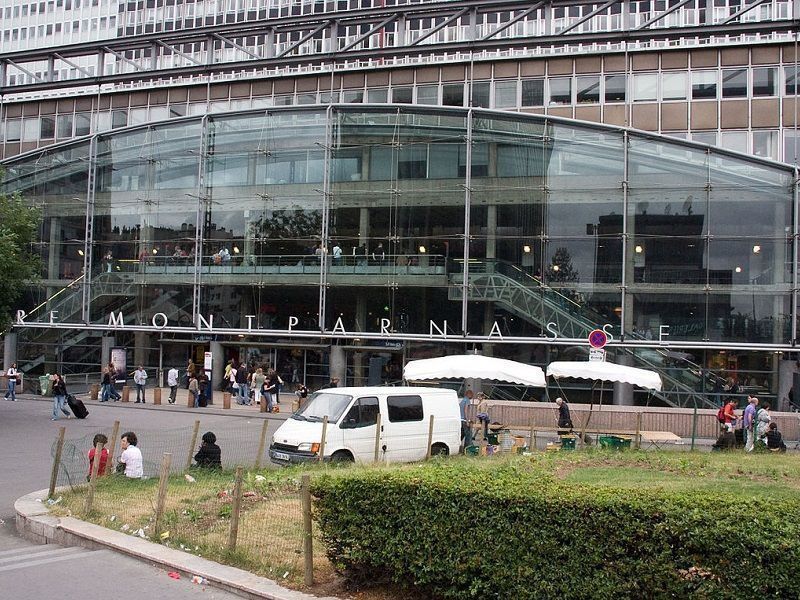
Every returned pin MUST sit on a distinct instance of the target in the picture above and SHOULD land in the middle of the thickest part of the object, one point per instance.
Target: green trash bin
(45, 385)
(615, 442)
(569, 442)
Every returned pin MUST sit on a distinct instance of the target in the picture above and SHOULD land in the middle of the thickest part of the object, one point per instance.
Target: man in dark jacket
(564, 419)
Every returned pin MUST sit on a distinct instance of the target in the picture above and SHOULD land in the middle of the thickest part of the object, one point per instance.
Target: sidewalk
(182, 404)
(35, 524)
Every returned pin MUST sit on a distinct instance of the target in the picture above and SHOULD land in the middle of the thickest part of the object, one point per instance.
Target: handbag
(235, 385)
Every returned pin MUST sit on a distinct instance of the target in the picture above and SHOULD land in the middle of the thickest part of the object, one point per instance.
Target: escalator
(529, 298)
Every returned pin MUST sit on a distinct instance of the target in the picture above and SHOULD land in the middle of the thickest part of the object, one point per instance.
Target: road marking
(30, 557)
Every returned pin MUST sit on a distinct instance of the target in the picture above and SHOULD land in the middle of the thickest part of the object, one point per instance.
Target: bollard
(189, 399)
(235, 509)
(308, 550)
(226, 400)
(161, 499)
(126, 393)
(157, 396)
(56, 461)
(94, 391)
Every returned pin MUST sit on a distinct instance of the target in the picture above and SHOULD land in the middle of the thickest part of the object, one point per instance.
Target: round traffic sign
(598, 338)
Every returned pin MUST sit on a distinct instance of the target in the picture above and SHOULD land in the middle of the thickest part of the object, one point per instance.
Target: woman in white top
(130, 461)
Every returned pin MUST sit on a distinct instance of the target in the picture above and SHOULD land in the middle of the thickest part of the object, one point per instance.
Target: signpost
(597, 340)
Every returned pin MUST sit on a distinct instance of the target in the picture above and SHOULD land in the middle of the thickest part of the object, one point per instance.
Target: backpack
(721, 414)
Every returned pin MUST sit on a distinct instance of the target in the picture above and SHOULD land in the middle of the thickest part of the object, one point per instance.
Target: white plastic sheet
(605, 371)
(474, 365)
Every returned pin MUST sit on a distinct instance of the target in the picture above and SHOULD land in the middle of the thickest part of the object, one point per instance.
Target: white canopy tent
(605, 371)
(476, 366)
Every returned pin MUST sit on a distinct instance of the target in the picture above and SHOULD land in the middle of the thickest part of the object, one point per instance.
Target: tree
(561, 272)
(19, 264)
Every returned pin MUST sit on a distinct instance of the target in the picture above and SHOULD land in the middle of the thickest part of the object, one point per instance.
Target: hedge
(452, 530)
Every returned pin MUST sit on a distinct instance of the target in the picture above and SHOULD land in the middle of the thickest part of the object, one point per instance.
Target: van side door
(405, 434)
(358, 428)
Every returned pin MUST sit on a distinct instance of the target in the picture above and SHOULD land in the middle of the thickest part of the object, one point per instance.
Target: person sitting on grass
(209, 455)
(130, 461)
(775, 439)
(101, 468)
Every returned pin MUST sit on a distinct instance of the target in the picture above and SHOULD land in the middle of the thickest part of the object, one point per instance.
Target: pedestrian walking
(172, 382)
(59, 397)
(749, 422)
(140, 379)
(12, 374)
(105, 384)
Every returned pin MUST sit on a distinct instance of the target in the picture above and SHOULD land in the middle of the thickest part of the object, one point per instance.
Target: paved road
(32, 572)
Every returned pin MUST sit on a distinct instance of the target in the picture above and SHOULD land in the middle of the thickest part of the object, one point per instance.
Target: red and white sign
(598, 338)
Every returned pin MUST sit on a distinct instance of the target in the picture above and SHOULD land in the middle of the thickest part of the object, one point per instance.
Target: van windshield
(321, 404)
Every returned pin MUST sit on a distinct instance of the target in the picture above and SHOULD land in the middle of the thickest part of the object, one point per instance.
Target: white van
(352, 418)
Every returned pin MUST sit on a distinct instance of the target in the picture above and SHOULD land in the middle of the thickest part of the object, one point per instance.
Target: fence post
(532, 438)
(235, 509)
(430, 440)
(308, 548)
(113, 446)
(161, 500)
(694, 425)
(638, 430)
(56, 461)
(190, 454)
(377, 436)
(322, 439)
(98, 453)
(262, 444)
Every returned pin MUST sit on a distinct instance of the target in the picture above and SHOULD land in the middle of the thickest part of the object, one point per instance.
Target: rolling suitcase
(77, 407)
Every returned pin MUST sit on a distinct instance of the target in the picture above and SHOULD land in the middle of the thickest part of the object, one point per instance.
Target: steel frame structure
(146, 53)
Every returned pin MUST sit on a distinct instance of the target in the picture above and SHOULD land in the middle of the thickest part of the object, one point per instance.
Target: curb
(231, 412)
(35, 524)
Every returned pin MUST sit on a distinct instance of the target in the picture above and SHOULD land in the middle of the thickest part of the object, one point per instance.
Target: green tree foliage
(19, 264)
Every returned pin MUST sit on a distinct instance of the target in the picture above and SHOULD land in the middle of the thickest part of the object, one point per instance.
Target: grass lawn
(197, 514)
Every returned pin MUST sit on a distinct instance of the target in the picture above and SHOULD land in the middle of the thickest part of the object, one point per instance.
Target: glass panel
(753, 317)
(734, 83)
(378, 96)
(561, 90)
(660, 165)
(673, 86)
(683, 310)
(533, 92)
(402, 95)
(588, 89)
(505, 94)
(764, 81)
(765, 144)
(734, 140)
(791, 77)
(645, 87)
(428, 94)
(615, 88)
(453, 94)
(704, 84)
(480, 94)
(749, 261)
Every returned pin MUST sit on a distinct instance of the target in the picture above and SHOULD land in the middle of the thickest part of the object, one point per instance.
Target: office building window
(64, 126)
(615, 88)
(119, 118)
(453, 94)
(587, 89)
(13, 130)
(734, 83)
(734, 140)
(428, 94)
(765, 144)
(791, 72)
(505, 94)
(47, 128)
(645, 87)
(480, 94)
(378, 96)
(764, 80)
(673, 86)
(561, 90)
(533, 92)
(83, 124)
(403, 95)
(705, 137)
(704, 85)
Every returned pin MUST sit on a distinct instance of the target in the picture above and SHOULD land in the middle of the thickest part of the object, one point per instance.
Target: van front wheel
(440, 450)
(342, 456)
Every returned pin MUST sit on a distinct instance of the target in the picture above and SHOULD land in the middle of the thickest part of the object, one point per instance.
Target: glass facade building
(411, 230)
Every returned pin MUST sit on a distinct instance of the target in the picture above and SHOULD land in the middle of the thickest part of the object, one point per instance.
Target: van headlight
(308, 447)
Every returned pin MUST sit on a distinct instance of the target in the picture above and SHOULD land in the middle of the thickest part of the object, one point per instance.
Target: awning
(476, 366)
(605, 371)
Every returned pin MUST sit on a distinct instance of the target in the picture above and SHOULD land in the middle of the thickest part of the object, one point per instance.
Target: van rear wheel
(341, 457)
(440, 450)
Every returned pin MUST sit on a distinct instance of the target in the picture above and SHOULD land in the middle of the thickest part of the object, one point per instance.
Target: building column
(9, 349)
(363, 227)
(338, 364)
(623, 392)
(107, 342)
(140, 349)
(217, 367)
